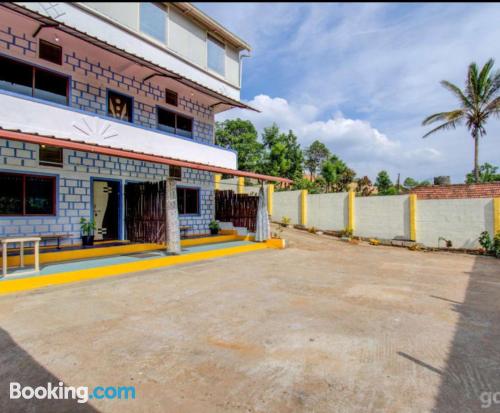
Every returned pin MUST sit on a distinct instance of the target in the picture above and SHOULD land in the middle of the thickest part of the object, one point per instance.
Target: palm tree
(479, 100)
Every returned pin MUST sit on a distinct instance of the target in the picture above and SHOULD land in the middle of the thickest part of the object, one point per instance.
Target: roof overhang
(215, 27)
(157, 70)
(107, 150)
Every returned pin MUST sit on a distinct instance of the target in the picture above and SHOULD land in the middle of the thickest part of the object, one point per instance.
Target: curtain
(262, 230)
(172, 233)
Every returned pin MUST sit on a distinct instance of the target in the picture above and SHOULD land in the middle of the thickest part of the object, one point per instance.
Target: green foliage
(87, 227)
(337, 174)
(410, 183)
(241, 136)
(384, 184)
(491, 246)
(214, 225)
(282, 154)
(315, 155)
(285, 221)
(347, 233)
(479, 100)
(487, 173)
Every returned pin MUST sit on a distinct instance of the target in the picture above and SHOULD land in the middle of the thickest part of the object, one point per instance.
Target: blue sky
(361, 77)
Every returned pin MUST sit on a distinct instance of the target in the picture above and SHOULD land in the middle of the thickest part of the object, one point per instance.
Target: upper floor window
(50, 52)
(171, 97)
(120, 106)
(50, 156)
(27, 194)
(23, 78)
(153, 21)
(175, 172)
(216, 55)
(174, 123)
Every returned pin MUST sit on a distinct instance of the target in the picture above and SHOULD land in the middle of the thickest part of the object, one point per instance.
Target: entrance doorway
(106, 209)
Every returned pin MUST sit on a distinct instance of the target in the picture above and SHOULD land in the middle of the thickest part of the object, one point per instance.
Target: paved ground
(323, 326)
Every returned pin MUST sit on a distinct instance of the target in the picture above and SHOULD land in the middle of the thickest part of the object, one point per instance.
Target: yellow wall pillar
(241, 185)
(303, 207)
(350, 203)
(413, 216)
(217, 178)
(496, 216)
(270, 193)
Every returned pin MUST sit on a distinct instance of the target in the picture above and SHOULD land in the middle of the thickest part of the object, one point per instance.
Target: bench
(57, 237)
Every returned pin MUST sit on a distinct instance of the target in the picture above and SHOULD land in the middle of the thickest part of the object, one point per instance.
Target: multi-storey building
(96, 95)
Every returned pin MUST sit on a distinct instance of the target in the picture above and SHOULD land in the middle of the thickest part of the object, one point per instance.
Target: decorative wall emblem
(95, 128)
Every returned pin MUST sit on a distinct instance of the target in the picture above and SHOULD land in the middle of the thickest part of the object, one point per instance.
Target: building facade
(144, 79)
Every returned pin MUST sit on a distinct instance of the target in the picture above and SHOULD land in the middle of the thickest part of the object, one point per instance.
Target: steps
(228, 226)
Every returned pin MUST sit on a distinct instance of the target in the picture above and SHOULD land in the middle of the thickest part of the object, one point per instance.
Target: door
(106, 202)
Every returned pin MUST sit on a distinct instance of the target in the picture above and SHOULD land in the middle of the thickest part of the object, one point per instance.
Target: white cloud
(364, 147)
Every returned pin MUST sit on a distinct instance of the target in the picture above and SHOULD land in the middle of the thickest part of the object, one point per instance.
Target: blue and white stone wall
(73, 188)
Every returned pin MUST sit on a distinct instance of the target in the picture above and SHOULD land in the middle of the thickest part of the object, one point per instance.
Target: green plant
(214, 225)
(491, 246)
(479, 101)
(87, 227)
(285, 221)
(312, 230)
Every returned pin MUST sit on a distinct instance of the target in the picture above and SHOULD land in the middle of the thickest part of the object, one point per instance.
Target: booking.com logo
(82, 394)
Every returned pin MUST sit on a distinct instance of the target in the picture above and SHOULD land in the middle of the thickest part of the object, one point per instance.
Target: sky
(362, 77)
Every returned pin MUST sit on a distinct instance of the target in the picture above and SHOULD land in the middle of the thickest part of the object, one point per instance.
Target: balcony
(31, 115)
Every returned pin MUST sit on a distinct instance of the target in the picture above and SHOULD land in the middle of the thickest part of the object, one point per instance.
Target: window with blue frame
(29, 80)
(172, 122)
(153, 21)
(188, 201)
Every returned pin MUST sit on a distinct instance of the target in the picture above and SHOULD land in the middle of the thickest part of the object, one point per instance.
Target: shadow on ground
(471, 375)
(16, 365)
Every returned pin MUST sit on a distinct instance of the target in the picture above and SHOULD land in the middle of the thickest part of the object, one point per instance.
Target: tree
(477, 102)
(410, 183)
(487, 173)
(337, 174)
(384, 184)
(241, 136)
(282, 154)
(315, 155)
(329, 174)
(364, 186)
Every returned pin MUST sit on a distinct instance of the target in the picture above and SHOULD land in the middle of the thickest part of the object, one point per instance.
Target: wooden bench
(57, 237)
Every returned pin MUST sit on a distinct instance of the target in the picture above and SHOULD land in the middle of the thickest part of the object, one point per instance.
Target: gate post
(172, 231)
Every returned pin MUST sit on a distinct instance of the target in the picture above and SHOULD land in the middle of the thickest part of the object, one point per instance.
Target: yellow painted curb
(23, 284)
(58, 256)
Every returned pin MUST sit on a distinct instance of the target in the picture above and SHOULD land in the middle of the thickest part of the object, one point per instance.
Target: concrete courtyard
(323, 326)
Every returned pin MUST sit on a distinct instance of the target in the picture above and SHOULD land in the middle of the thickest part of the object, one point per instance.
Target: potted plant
(87, 228)
(214, 227)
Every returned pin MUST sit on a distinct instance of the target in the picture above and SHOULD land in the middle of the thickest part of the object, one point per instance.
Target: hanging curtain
(172, 234)
(262, 230)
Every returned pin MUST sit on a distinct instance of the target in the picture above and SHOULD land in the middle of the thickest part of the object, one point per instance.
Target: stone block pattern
(74, 192)
(90, 79)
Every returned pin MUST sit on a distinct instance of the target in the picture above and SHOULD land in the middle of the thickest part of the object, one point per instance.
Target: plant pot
(214, 231)
(87, 240)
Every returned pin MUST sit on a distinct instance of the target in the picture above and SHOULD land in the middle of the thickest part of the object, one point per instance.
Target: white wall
(385, 217)
(327, 211)
(33, 117)
(286, 204)
(458, 220)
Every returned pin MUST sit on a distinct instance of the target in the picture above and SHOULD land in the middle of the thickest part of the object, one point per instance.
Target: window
(188, 200)
(23, 78)
(153, 21)
(50, 52)
(175, 172)
(27, 194)
(50, 156)
(171, 97)
(119, 106)
(175, 123)
(216, 55)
